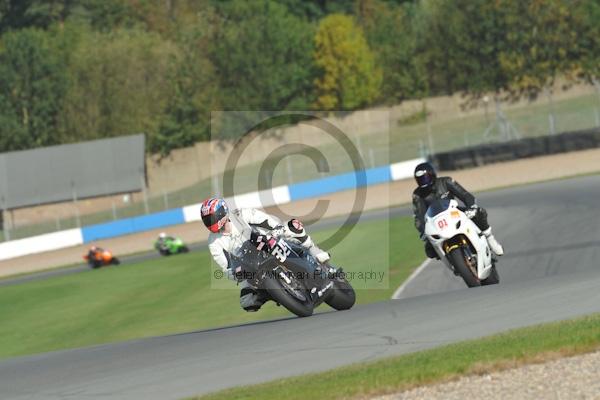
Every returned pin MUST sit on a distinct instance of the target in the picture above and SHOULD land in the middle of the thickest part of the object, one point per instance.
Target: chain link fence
(418, 137)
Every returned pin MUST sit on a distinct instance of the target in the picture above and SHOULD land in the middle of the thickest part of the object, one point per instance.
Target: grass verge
(528, 345)
(175, 294)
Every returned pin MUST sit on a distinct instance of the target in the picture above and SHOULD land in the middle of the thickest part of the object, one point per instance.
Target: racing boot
(496, 247)
(251, 298)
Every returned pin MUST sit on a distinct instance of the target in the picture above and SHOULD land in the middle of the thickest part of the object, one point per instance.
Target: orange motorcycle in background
(98, 257)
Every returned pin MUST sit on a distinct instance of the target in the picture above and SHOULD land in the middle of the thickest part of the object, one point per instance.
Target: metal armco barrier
(523, 148)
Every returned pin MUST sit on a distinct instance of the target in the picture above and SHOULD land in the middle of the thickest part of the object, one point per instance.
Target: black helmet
(425, 175)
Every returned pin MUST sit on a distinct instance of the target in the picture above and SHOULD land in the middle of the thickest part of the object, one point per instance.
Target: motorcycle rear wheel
(280, 294)
(458, 260)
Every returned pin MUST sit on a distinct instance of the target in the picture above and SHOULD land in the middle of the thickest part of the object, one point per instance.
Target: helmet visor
(212, 222)
(424, 178)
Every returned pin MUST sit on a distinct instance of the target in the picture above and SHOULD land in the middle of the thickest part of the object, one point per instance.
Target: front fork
(470, 257)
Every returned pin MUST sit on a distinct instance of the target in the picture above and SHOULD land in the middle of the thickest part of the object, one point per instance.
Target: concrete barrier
(40, 243)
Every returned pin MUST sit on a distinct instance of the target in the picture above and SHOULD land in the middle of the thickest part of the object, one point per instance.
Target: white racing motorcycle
(460, 244)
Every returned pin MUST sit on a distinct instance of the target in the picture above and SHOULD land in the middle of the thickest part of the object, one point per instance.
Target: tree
(194, 94)
(33, 83)
(461, 46)
(17, 14)
(349, 77)
(120, 84)
(587, 15)
(263, 57)
(393, 31)
(542, 43)
(314, 10)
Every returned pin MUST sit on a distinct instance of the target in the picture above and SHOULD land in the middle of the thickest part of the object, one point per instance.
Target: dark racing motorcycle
(290, 276)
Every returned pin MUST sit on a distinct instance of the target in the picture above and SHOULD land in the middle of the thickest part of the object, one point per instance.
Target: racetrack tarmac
(551, 233)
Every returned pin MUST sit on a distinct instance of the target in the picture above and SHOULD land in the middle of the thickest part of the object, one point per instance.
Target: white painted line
(417, 271)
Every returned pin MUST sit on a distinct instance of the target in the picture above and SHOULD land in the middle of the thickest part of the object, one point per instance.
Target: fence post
(213, 176)
(215, 185)
(422, 152)
(165, 199)
(75, 204)
(358, 144)
(144, 194)
(5, 223)
(430, 149)
(11, 225)
(552, 124)
(551, 116)
(597, 86)
(114, 208)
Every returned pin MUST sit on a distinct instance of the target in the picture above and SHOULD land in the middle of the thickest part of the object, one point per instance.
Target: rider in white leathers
(229, 231)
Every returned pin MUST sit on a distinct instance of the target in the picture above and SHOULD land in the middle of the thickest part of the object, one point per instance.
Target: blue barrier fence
(298, 191)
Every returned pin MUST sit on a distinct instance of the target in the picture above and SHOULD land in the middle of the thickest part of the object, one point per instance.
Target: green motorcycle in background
(169, 245)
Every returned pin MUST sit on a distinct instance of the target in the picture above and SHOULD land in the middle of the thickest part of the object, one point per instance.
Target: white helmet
(162, 235)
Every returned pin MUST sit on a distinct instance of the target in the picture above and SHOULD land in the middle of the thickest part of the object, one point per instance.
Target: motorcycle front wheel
(464, 268)
(280, 292)
(342, 296)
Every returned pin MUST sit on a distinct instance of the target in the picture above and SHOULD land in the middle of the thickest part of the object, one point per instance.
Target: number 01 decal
(442, 223)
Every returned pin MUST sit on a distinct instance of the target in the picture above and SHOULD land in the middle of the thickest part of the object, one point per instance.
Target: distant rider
(432, 188)
(161, 242)
(227, 237)
(93, 251)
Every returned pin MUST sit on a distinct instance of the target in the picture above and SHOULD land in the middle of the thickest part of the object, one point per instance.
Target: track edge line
(412, 276)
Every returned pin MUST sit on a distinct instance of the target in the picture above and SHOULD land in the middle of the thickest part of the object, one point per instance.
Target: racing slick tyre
(115, 261)
(467, 271)
(342, 296)
(281, 293)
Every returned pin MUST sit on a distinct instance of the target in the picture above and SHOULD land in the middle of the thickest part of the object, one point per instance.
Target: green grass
(173, 294)
(533, 344)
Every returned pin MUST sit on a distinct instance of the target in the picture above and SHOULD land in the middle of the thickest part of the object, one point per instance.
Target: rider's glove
(472, 211)
(423, 237)
(278, 231)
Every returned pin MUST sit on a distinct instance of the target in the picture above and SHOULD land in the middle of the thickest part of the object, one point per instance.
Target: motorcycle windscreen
(438, 207)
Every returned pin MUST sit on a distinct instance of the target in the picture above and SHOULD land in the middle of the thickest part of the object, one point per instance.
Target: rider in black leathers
(432, 188)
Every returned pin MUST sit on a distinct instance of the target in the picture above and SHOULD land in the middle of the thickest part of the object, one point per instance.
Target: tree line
(73, 70)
